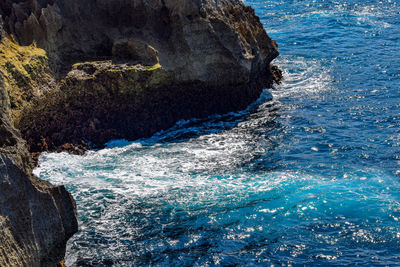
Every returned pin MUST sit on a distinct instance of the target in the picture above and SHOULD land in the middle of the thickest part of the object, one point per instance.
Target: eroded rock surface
(216, 55)
(36, 218)
(75, 72)
(222, 42)
(108, 101)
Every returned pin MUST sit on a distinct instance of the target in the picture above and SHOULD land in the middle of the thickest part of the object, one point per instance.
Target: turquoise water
(308, 177)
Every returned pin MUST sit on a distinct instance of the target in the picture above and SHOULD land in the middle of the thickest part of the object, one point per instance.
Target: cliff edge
(130, 68)
(36, 218)
(77, 73)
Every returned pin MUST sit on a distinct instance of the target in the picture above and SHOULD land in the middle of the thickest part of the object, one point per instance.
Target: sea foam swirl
(307, 176)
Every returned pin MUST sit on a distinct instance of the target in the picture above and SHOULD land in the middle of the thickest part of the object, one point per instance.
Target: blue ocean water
(309, 177)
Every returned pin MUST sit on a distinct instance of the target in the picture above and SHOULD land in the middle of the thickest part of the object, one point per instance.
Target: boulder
(134, 52)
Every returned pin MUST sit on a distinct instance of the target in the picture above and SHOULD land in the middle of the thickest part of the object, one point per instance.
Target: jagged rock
(94, 70)
(36, 218)
(101, 101)
(215, 50)
(219, 42)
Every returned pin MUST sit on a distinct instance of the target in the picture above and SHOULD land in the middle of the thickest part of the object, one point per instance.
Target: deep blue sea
(309, 177)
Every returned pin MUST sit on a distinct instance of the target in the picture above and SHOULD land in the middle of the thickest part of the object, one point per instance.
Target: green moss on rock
(26, 74)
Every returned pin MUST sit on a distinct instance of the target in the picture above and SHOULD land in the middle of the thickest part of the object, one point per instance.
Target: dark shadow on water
(184, 130)
(257, 126)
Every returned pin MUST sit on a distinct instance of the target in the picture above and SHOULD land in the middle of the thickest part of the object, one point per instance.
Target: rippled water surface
(310, 177)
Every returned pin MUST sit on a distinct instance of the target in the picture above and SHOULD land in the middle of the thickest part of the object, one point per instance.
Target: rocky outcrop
(36, 218)
(74, 73)
(99, 101)
(211, 41)
(25, 76)
(214, 56)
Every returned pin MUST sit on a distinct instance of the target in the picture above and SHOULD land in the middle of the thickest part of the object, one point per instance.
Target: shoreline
(159, 63)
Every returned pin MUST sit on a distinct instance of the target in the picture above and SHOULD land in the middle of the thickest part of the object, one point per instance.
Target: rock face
(220, 42)
(214, 57)
(36, 218)
(142, 99)
(75, 72)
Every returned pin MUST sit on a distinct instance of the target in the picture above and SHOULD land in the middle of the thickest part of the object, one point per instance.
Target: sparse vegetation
(25, 72)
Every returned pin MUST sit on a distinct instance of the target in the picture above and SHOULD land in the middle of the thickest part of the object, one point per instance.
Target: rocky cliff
(213, 41)
(212, 56)
(84, 72)
(36, 218)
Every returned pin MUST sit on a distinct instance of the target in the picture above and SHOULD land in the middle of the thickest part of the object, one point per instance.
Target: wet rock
(99, 101)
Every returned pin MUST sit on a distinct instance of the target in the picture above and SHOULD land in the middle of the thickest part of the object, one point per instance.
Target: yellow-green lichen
(88, 63)
(102, 76)
(154, 67)
(22, 68)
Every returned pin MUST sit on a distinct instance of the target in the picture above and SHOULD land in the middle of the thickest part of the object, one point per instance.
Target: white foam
(309, 79)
